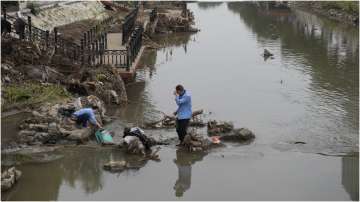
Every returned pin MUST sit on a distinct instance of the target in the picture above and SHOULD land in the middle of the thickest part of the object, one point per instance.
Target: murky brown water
(308, 92)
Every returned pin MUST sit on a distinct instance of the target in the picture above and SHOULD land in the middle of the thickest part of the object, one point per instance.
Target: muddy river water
(308, 92)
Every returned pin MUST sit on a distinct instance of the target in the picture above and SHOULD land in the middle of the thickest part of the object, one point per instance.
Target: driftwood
(170, 121)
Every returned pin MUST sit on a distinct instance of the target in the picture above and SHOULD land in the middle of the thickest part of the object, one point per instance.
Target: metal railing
(135, 43)
(117, 58)
(93, 45)
(153, 14)
(128, 24)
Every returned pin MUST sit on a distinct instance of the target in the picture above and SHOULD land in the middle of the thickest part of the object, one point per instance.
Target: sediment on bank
(342, 11)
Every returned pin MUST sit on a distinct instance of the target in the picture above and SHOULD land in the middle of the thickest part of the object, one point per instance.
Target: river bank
(39, 85)
(40, 82)
(346, 12)
(310, 95)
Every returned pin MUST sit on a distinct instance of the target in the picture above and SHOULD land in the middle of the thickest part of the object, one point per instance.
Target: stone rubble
(9, 177)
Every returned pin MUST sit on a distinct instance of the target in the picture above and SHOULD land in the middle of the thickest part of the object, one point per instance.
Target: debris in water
(215, 139)
(267, 54)
(169, 121)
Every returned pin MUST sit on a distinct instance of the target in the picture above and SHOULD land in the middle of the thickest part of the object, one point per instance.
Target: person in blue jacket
(183, 113)
(85, 115)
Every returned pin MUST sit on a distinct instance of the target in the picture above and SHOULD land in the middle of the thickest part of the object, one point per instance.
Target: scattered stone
(7, 79)
(77, 134)
(214, 127)
(9, 177)
(227, 132)
(238, 135)
(115, 166)
(38, 127)
(114, 97)
(50, 124)
(175, 22)
(196, 143)
(36, 114)
(133, 145)
(53, 128)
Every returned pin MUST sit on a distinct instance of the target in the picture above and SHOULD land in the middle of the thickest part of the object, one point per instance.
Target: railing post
(128, 55)
(94, 33)
(82, 51)
(123, 32)
(91, 35)
(29, 26)
(88, 38)
(47, 38)
(105, 40)
(74, 53)
(96, 51)
(84, 40)
(140, 37)
(4, 12)
(101, 48)
(78, 52)
(56, 38)
(92, 52)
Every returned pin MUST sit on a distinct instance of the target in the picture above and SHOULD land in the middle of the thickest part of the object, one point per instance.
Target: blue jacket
(88, 113)
(184, 102)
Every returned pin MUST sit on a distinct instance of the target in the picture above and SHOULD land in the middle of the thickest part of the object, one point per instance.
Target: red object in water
(215, 139)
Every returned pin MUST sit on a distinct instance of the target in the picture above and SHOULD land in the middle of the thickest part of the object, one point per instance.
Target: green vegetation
(31, 93)
(348, 6)
(101, 77)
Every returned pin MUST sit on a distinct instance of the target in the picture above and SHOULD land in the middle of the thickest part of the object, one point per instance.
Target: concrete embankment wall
(63, 13)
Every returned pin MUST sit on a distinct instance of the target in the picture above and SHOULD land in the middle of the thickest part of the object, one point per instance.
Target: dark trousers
(181, 128)
(82, 120)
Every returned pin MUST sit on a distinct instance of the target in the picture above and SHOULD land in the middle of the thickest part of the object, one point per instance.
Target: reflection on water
(208, 5)
(328, 57)
(80, 169)
(184, 160)
(350, 176)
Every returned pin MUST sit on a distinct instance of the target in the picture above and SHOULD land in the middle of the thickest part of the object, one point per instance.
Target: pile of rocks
(50, 125)
(9, 74)
(196, 143)
(9, 177)
(227, 132)
(175, 22)
(133, 145)
(104, 82)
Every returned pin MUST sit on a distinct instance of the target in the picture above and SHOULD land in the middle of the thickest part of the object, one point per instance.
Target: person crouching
(85, 115)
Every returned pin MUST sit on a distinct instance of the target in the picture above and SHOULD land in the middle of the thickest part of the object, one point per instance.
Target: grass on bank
(18, 95)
